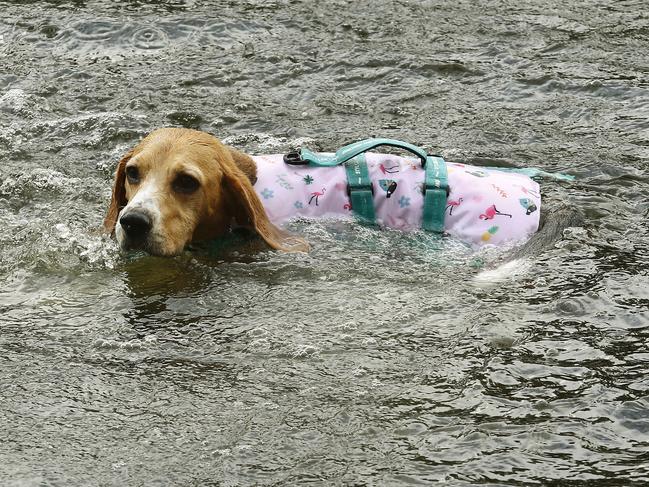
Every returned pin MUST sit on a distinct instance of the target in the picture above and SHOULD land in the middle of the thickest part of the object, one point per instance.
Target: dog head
(179, 186)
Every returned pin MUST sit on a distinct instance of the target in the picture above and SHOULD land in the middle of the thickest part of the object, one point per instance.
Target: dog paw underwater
(180, 189)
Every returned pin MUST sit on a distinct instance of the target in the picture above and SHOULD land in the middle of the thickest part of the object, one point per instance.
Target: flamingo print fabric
(484, 206)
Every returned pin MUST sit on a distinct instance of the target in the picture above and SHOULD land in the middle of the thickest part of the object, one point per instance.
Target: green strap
(360, 189)
(534, 173)
(435, 193)
(360, 186)
(352, 150)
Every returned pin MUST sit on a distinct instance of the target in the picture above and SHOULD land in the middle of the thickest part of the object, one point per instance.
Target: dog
(180, 186)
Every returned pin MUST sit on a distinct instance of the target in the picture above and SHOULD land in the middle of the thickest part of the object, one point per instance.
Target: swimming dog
(179, 186)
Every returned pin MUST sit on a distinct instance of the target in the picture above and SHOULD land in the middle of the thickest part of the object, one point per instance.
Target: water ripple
(97, 30)
(150, 38)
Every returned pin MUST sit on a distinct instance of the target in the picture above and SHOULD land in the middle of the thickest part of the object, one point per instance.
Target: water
(378, 358)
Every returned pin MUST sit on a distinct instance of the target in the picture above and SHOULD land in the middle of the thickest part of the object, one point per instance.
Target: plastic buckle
(359, 186)
(434, 187)
(294, 158)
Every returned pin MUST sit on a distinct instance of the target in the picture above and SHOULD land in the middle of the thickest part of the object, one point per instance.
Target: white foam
(18, 102)
(95, 250)
(266, 141)
(512, 269)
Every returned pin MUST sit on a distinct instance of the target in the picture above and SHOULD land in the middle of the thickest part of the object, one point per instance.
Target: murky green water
(378, 358)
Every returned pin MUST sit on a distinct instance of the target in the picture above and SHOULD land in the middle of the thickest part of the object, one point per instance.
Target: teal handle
(352, 150)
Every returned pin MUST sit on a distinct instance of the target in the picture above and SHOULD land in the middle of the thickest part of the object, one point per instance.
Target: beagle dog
(179, 186)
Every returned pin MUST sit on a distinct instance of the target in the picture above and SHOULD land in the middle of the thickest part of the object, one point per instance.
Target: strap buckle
(294, 158)
(354, 187)
(437, 185)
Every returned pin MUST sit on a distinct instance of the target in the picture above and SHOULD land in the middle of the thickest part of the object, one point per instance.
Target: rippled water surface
(379, 358)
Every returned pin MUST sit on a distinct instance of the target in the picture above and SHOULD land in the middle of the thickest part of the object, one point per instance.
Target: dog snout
(136, 225)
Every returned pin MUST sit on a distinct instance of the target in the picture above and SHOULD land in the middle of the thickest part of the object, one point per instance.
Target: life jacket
(482, 205)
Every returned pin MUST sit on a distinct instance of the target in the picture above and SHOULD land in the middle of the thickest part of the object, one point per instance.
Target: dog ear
(118, 201)
(245, 163)
(248, 211)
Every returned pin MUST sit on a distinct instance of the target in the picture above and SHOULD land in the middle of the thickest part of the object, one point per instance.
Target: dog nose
(136, 225)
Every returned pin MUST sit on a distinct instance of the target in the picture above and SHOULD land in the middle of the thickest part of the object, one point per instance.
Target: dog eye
(132, 174)
(185, 184)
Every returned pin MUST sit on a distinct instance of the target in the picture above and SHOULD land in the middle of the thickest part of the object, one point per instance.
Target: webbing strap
(305, 156)
(359, 188)
(435, 194)
(535, 173)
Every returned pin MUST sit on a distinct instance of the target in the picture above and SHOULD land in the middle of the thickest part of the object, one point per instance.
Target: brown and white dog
(179, 186)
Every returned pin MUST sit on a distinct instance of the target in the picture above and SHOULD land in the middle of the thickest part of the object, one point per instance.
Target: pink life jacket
(484, 205)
